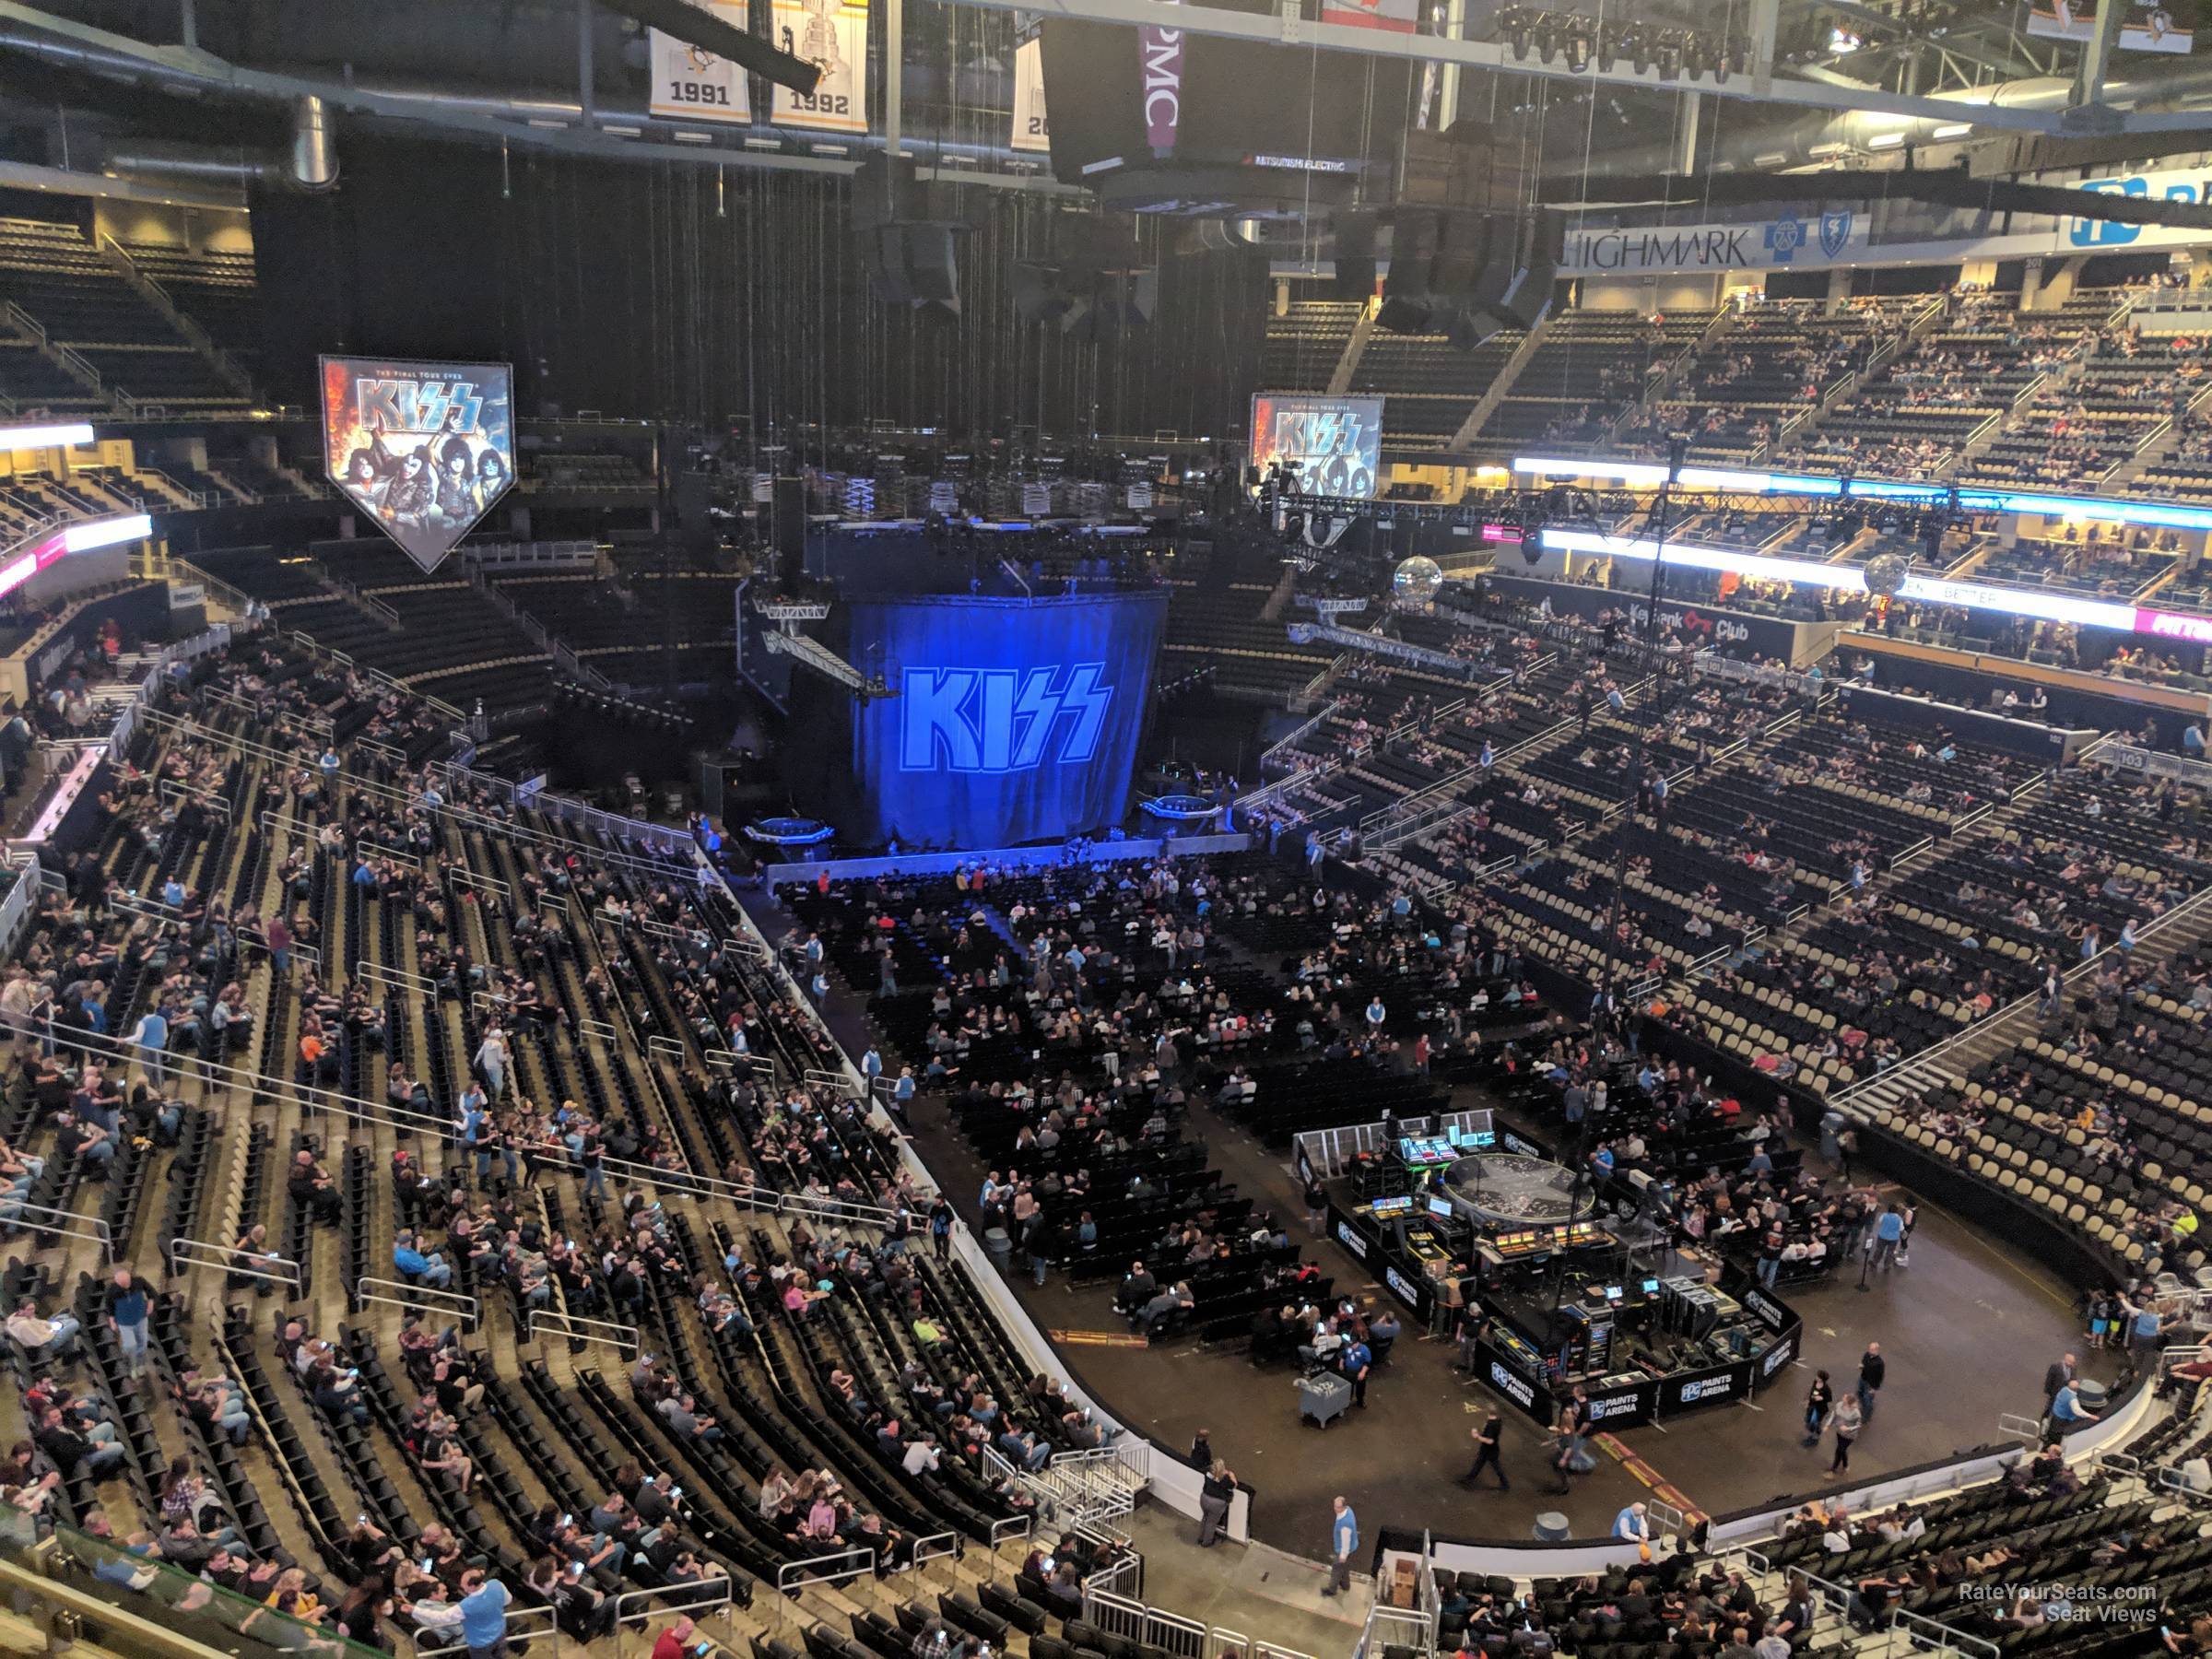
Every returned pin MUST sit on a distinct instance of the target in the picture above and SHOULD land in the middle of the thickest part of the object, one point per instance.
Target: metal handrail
(701, 1596)
(808, 1571)
(406, 1296)
(529, 1618)
(94, 1229)
(577, 1328)
(225, 1257)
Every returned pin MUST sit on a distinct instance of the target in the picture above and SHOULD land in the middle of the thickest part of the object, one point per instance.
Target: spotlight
(1577, 51)
(1639, 47)
(1670, 55)
(1694, 54)
(1546, 38)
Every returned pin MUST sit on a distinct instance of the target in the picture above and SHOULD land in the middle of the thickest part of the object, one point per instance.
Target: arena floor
(1967, 1329)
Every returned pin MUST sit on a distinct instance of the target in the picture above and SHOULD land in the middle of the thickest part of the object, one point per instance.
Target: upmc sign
(1162, 54)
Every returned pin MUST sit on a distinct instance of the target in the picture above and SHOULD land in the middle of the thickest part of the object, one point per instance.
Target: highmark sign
(1817, 241)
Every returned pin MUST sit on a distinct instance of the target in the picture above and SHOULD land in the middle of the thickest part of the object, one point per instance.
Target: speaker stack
(904, 237)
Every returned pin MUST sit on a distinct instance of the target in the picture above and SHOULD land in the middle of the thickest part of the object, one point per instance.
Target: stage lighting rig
(1670, 54)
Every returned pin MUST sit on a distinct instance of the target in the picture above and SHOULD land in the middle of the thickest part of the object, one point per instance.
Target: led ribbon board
(2110, 509)
(2037, 603)
(76, 538)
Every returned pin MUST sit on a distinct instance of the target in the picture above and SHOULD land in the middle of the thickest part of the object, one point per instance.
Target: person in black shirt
(1486, 1441)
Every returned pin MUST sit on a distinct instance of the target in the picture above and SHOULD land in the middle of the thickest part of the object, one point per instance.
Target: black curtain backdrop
(632, 290)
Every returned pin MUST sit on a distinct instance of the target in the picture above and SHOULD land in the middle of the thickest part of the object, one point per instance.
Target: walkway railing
(267, 1265)
(623, 1338)
(417, 1298)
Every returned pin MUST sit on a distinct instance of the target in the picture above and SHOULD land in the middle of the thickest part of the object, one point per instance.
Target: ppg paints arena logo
(971, 720)
(1708, 1388)
(1512, 1386)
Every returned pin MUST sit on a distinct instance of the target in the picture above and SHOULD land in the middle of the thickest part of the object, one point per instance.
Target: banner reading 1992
(692, 82)
(832, 35)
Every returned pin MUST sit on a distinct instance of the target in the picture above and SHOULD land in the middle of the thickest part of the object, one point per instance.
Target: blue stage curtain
(1015, 720)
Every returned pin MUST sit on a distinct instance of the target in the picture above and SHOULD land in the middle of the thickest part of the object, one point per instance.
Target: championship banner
(689, 81)
(1032, 131)
(2149, 25)
(424, 449)
(1397, 17)
(833, 37)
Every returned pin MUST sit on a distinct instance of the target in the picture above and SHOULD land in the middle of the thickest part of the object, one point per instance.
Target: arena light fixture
(1885, 141)
(1952, 129)
(68, 435)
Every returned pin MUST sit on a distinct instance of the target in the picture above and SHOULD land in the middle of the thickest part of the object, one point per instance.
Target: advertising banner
(424, 449)
(833, 37)
(2191, 184)
(689, 81)
(1496, 1369)
(1772, 1364)
(1622, 1403)
(1032, 128)
(1412, 1289)
(1763, 1306)
(1013, 720)
(1782, 244)
(2148, 26)
(1685, 1389)
(1336, 442)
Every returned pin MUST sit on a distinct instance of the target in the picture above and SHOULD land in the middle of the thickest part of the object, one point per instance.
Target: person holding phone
(681, 1641)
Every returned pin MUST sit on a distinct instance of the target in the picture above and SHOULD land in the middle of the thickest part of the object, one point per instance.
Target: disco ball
(1886, 573)
(1417, 581)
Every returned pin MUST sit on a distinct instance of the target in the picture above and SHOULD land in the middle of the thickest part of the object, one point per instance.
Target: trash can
(999, 1245)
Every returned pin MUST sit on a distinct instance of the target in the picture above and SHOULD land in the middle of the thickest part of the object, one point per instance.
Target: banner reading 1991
(832, 35)
(424, 449)
(689, 81)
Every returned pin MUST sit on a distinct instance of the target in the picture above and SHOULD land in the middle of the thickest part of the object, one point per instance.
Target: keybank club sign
(1818, 241)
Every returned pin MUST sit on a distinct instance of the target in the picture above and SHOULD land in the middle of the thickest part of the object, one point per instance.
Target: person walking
(1560, 1455)
(1873, 1371)
(1819, 1400)
(1888, 1235)
(128, 1304)
(1213, 1499)
(1344, 1538)
(484, 1615)
(1486, 1441)
(1849, 1420)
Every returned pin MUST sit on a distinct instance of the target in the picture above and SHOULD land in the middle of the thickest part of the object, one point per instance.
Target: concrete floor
(1967, 1329)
